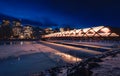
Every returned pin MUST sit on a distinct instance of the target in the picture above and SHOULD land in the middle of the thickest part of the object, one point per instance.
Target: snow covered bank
(106, 64)
(109, 67)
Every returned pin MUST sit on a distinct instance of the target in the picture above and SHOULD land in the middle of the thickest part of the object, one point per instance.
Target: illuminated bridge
(93, 33)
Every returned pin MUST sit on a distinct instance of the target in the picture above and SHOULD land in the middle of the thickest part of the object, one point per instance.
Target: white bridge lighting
(100, 31)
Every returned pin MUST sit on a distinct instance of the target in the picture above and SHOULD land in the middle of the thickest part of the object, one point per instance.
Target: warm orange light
(106, 30)
(68, 58)
(21, 37)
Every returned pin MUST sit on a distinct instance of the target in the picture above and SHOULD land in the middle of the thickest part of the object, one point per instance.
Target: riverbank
(109, 67)
(106, 64)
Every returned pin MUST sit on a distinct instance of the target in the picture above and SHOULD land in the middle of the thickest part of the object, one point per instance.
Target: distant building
(17, 29)
(48, 30)
(5, 29)
(28, 32)
(61, 29)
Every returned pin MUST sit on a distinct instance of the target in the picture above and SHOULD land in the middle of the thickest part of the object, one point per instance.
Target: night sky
(76, 13)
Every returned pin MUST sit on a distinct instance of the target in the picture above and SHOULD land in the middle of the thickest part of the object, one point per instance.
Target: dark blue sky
(82, 13)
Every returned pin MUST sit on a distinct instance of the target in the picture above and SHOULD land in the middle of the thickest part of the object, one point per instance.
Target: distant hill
(23, 21)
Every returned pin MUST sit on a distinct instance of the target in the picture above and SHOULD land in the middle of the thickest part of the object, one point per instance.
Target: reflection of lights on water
(10, 43)
(21, 37)
(75, 48)
(27, 42)
(21, 43)
(18, 59)
(68, 58)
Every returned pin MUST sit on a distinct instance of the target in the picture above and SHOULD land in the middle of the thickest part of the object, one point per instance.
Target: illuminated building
(61, 29)
(17, 29)
(5, 23)
(27, 32)
(5, 29)
(48, 30)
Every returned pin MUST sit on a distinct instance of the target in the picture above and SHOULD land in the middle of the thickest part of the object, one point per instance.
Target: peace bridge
(93, 33)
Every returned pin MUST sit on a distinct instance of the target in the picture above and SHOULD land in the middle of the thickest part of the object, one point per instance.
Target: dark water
(25, 65)
(16, 42)
(10, 42)
(76, 53)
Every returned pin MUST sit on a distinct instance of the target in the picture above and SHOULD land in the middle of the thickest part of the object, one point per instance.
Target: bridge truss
(93, 33)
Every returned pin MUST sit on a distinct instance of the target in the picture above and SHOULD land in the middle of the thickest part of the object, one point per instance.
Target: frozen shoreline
(109, 67)
(106, 64)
